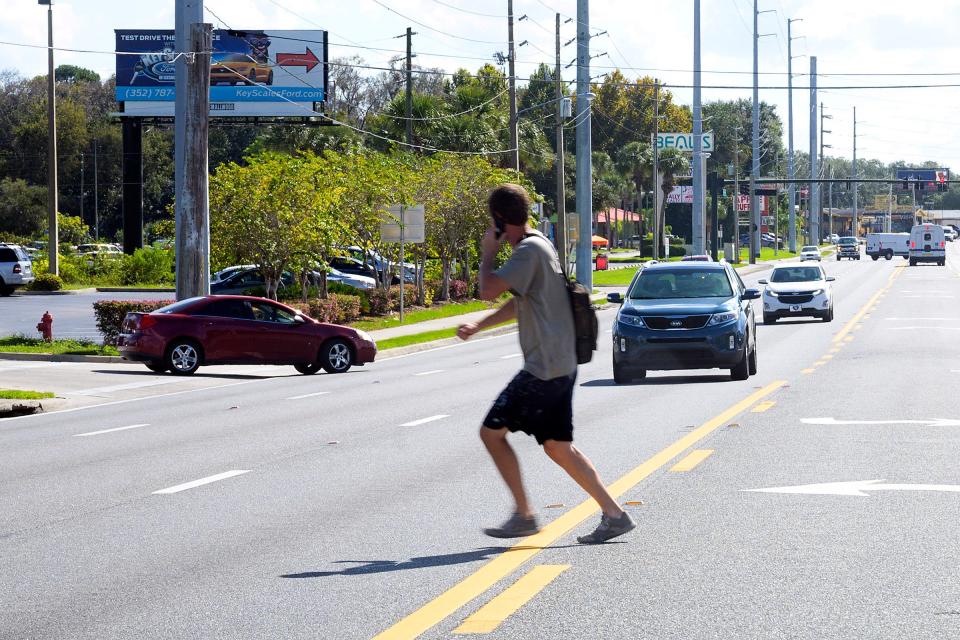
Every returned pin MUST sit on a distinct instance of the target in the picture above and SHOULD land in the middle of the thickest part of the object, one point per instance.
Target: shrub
(46, 282)
(459, 290)
(347, 307)
(322, 309)
(378, 302)
(110, 314)
(147, 265)
(409, 296)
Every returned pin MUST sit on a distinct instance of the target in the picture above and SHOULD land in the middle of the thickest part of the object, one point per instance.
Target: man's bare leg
(508, 465)
(579, 467)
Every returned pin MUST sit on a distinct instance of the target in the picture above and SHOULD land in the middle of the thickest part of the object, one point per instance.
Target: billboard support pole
(132, 166)
(194, 38)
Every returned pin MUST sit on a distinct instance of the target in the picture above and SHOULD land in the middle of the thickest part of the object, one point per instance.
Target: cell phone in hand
(499, 226)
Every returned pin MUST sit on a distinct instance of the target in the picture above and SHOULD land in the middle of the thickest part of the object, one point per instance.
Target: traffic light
(941, 186)
(905, 184)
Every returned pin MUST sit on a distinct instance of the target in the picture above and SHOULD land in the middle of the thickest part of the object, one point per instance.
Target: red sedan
(239, 330)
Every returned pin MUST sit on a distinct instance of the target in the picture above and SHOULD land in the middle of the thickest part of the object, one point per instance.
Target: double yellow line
(474, 585)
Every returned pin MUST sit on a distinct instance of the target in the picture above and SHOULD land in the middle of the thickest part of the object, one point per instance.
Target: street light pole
(697, 169)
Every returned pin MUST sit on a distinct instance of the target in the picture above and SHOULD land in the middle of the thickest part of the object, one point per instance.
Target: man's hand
(490, 243)
(464, 331)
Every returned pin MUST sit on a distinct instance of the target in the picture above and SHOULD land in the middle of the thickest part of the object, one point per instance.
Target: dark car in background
(685, 315)
(210, 330)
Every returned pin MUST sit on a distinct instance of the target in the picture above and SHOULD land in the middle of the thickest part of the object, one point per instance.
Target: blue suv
(685, 315)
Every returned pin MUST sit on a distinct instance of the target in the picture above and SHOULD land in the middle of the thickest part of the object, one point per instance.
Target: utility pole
(53, 231)
(697, 168)
(888, 223)
(409, 88)
(830, 202)
(82, 187)
(656, 171)
(736, 196)
(584, 161)
(813, 201)
(96, 193)
(823, 162)
(561, 207)
(191, 121)
(854, 231)
(791, 169)
(512, 59)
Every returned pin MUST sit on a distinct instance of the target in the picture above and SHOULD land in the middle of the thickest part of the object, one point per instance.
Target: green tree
(23, 208)
(72, 230)
(73, 73)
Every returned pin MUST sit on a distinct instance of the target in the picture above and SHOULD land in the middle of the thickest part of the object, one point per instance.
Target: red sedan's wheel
(183, 357)
(307, 369)
(336, 356)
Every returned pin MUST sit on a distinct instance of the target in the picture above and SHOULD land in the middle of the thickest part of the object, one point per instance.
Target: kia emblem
(676, 323)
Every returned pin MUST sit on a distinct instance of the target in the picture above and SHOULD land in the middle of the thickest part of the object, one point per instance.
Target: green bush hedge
(110, 314)
(46, 282)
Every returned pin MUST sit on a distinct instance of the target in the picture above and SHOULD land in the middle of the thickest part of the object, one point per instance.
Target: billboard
(684, 141)
(680, 195)
(929, 177)
(252, 73)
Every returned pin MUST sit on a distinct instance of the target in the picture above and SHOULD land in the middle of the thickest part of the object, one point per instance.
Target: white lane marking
(429, 373)
(928, 297)
(308, 395)
(920, 318)
(929, 327)
(856, 488)
(96, 433)
(96, 391)
(202, 481)
(931, 422)
(417, 423)
(512, 355)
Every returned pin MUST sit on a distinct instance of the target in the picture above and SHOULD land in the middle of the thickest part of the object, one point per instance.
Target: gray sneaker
(516, 527)
(609, 528)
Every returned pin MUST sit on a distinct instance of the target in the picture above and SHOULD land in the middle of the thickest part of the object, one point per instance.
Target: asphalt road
(351, 506)
(72, 313)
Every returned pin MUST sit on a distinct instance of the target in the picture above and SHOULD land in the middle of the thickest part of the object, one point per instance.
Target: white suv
(797, 290)
(16, 269)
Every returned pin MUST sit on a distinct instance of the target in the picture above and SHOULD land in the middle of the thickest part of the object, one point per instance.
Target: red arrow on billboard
(308, 60)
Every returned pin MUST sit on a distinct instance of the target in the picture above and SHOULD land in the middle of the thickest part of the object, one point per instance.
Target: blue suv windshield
(687, 283)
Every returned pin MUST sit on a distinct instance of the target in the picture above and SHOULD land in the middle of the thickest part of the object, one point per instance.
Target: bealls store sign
(683, 141)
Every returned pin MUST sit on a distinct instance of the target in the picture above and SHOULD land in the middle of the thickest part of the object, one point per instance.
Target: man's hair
(510, 203)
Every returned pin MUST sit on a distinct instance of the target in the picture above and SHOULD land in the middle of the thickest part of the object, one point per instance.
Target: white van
(927, 244)
(887, 245)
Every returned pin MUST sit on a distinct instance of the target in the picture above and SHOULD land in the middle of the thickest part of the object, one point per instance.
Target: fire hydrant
(45, 326)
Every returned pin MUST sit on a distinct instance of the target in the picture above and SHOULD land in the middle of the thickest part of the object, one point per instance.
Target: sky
(856, 37)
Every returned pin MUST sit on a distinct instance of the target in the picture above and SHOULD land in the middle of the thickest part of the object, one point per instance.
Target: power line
(426, 26)
(476, 13)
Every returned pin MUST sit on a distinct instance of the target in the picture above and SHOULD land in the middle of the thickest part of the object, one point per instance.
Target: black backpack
(584, 319)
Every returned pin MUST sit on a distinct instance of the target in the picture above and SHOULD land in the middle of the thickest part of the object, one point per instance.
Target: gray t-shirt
(547, 336)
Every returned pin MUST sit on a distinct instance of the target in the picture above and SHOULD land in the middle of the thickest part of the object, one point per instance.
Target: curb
(62, 292)
(129, 290)
(47, 357)
(444, 342)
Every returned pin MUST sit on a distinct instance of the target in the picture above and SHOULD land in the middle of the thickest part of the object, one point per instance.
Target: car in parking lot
(245, 280)
(16, 270)
(209, 330)
(810, 252)
(796, 290)
(685, 315)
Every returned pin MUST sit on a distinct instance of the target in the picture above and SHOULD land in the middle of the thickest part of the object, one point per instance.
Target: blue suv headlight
(634, 321)
(722, 318)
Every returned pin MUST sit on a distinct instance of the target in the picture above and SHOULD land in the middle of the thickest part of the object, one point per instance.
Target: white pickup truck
(887, 245)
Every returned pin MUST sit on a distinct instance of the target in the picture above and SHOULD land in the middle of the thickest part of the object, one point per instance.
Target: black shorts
(540, 408)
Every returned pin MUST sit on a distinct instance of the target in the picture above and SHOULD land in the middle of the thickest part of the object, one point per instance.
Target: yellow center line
(826, 356)
(819, 363)
(763, 406)
(444, 605)
(491, 615)
(806, 371)
(692, 460)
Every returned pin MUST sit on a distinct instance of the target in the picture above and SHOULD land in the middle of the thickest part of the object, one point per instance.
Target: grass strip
(23, 344)
(426, 336)
(17, 394)
(422, 315)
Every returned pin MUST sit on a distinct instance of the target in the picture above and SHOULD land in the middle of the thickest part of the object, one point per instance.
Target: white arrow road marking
(856, 488)
(932, 422)
(96, 433)
(202, 481)
(417, 423)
